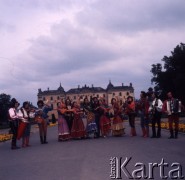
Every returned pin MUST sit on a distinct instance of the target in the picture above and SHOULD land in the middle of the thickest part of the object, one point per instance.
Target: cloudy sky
(77, 42)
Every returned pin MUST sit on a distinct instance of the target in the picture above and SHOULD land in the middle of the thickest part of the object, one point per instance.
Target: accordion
(173, 106)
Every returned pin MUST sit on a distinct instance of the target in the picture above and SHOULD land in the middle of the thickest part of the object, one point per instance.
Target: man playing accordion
(172, 107)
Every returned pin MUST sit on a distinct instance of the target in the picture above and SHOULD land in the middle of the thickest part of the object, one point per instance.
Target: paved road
(87, 159)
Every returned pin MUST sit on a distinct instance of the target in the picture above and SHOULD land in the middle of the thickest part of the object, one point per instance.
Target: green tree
(4, 106)
(171, 75)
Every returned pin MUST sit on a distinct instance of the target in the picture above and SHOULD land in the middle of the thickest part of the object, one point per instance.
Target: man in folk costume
(172, 107)
(155, 111)
(143, 107)
(25, 113)
(41, 119)
(14, 122)
(131, 112)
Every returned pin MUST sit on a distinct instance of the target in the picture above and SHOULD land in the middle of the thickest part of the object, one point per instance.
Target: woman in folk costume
(143, 108)
(130, 111)
(91, 127)
(69, 114)
(24, 112)
(95, 109)
(41, 119)
(117, 124)
(14, 122)
(104, 119)
(172, 107)
(63, 129)
(78, 129)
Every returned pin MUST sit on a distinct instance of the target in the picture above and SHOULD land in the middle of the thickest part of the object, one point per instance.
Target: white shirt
(12, 113)
(159, 105)
(23, 115)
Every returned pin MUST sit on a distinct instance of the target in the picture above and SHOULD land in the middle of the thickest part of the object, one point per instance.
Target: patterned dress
(63, 129)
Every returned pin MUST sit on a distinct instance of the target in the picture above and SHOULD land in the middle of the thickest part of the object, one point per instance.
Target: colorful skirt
(105, 125)
(63, 130)
(78, 129)
(117, 126)
(91, 125)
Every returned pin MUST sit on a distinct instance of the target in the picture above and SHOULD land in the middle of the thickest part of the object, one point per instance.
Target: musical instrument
(173, 106)
(39, 119)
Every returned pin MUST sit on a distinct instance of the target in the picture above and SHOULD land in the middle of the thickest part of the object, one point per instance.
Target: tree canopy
(4, 106)
(171, 75)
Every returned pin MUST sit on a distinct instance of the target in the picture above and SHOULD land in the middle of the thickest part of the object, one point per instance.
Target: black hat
(13, 102)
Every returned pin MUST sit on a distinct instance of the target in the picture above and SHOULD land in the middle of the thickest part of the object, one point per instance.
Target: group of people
(20, 122)
(94, 118)
(89, 119)
(150, 109)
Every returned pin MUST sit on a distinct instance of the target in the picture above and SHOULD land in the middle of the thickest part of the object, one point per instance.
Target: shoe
(15, 147)
(153, 137)
(24, 145)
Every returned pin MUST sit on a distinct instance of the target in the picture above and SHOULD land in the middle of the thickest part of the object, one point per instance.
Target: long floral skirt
(117, 126)
(78, 129)
(63, 130)
(91, 127)
(105, 125)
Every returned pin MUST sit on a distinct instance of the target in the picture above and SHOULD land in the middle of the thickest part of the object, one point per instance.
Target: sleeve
(20, 114)
(47, 109)
(12, 114)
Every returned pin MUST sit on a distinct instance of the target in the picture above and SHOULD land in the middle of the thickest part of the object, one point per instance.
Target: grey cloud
(53, 57)
(133, 16)
(75, 49)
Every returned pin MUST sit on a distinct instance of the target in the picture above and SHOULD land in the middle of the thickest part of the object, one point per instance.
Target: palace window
(74, 97)
(44, 98)
(120, 94)
(51, 98)
(58, 98)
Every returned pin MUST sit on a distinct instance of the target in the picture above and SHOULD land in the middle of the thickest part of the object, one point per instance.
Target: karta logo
(121, 169)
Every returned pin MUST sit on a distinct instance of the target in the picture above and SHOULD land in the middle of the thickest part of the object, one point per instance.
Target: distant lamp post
(182, 46)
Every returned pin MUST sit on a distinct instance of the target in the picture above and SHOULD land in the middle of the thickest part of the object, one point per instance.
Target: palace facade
(55, 96)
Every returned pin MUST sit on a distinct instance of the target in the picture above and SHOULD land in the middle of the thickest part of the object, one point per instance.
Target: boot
(13, 146)
(45, 142)
(176, 134)
(144, 132)
(171, 134)
(134, 132)
(27, 141)
(147, 132)
(158, 133)
(41, 140)
(24, 142)
(131, 132)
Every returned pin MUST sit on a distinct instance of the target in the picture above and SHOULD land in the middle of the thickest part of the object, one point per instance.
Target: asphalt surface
(88, 159)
